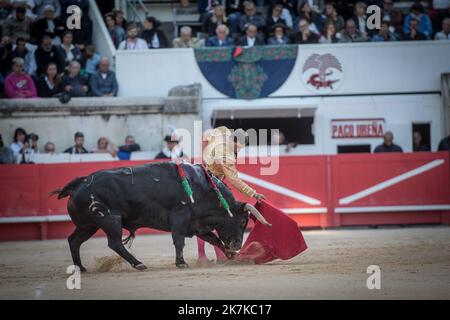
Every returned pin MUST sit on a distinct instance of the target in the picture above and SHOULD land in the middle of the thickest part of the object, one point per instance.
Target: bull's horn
(257, 214)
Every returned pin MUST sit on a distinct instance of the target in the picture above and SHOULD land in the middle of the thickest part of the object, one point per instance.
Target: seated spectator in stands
(6, 56)
(252, 37)
(424, 27)
(19, 85)
(42, 5)
(234, 11)
(221, 39)
(329, 33)
(6, 154)
(129, 147)
(47, 53)
(360, 18)
(393, 16)
(384, 34)
(68, 51)
(217, 18)
(17, 25)
(418, 143)
(351, 34)
(116, 32)
(251, 17)
(414, 34)
(103, 83)
(104, 145)
(388, 144)
(49, 25)
(279, 35)
(29, 149)
(90, 60)
(172, 149)
(18, 144)
(83, 36)
(444, 34)
(305, 35)
(50, 84)
(444, 144)
(305, 12)
(153, 35)
(119, 17)
(186, 40)
(21, 51)
(330, 14)
(443, 14)
(275, 18)
(28, 5)
(78, 147)
(74, 83)
(132, 42)
(50, 148)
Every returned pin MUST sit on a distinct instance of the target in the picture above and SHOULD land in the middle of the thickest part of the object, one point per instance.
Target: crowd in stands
(286, 22)
(25, 146)
(41, 57)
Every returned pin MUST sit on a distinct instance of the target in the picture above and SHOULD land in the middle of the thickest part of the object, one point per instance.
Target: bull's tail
(67, 189)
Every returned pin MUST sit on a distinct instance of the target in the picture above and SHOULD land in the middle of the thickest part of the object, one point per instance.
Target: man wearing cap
(172, 149)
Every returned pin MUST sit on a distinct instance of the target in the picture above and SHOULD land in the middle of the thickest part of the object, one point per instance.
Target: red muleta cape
(283, 240)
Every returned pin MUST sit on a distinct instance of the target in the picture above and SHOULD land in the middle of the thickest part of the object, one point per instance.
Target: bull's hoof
(140, 267)
(83, 269)
(183, 265)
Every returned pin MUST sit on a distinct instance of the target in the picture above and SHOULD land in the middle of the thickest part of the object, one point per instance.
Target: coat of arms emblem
(322, 73)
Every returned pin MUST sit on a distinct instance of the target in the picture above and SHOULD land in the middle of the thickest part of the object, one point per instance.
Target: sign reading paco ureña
(357, 128)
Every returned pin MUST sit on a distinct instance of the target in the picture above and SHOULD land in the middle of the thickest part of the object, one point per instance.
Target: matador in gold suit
(219, 156)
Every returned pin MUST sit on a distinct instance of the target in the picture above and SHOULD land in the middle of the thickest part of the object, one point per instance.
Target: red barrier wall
(317, 191)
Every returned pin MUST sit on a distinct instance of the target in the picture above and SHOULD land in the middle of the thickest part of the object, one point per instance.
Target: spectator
(74, 83)
(424, 22)
(20, 137)
(440, 18)
(104, 145)
(279, 35)
(444, 34)
(49, 148)
(384, 34)
(49, 25)
(393, 16)
(234, 11)
(18, 25)
(132, 42)
(27, 5)
(119, 17)
(83, 36)
(329, 33)
(418, 143)
(78, 147)
(251, 38)
(21, 51)
(153, 35)
(6, 154)
(6, 56)
(217, 18)
(444, 144)
(116, 32)
(19, 85)
(351, 34)
(47, 53)
(103, 83)
(305, 35)
(172, 149)
(360, 17)
(250, 17)
(186, 40)
(50, 84)
(414, 34)
(275, 18)
(306, 13)
(90, 60)
(68, 51)
(42, 5)
(330, 14)
(289, 10)
(221, 39)
(129, 147)
(388, 144)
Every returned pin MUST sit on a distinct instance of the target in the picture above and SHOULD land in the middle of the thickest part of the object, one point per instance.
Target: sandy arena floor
(414, 262)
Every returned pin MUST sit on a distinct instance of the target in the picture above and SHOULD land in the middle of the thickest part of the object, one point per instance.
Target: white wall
(368, 68)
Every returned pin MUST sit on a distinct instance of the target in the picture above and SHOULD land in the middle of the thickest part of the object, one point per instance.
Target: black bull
(152, 195)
